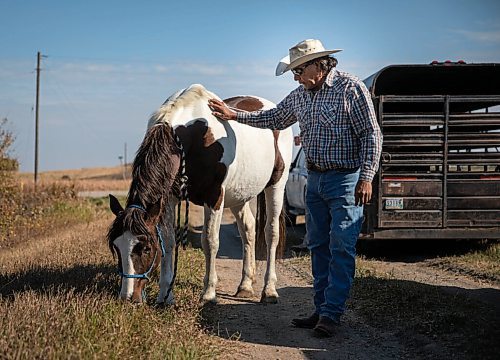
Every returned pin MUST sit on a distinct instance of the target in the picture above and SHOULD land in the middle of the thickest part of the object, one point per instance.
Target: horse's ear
(115, 205)
(154, 211)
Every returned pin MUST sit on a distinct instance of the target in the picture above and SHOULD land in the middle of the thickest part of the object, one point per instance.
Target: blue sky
(112, 63)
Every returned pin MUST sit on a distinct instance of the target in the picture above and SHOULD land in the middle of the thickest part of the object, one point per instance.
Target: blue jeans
(333, 226)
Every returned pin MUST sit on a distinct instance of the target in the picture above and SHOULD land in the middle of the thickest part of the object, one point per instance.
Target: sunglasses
(300, 70)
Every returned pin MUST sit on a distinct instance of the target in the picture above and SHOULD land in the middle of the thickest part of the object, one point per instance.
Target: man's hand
(363, 192)
(220, 110)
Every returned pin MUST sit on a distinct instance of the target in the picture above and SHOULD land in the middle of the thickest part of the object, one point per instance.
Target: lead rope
(180, 233)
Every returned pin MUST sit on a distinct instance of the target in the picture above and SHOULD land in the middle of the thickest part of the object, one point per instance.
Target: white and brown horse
(227, 165)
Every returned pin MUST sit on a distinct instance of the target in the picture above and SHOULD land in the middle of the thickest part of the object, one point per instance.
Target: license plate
(394, 204)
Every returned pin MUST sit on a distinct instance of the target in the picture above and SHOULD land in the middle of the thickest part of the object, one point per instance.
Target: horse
(227, 164)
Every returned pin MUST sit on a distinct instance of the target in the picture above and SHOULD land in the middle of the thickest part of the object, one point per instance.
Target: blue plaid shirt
(338, 125)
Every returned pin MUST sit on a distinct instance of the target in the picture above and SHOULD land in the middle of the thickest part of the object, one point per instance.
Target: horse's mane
(152, 175)
(153, 180)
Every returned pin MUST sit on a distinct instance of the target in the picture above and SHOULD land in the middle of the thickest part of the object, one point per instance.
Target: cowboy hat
(301, 53)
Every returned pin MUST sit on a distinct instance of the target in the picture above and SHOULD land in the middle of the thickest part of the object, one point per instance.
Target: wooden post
(36, 114)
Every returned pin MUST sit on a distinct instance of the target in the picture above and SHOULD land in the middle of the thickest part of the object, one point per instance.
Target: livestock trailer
(439, 173)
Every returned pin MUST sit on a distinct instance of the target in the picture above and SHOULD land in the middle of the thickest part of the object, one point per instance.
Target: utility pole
(125, 162)
(36, 114)
(37, 105)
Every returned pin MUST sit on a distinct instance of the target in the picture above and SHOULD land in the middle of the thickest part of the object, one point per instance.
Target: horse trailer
(439, 173)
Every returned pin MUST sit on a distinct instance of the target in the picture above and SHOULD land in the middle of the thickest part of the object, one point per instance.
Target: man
(342, 143)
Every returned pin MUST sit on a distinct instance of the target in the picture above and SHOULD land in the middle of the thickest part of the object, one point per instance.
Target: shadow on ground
(230, 246)
(409, 250)
(429, 320)
(79, 279)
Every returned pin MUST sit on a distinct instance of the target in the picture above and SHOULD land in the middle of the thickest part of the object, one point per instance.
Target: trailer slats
(440, 167)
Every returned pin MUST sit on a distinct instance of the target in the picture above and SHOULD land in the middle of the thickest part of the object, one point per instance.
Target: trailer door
(440, 165)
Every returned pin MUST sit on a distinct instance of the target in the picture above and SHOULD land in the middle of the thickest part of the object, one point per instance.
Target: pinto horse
(227, 164)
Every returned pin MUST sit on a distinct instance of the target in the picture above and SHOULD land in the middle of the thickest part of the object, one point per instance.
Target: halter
(145, 275)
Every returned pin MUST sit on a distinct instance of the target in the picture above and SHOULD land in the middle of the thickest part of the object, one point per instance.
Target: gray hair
(326, 63)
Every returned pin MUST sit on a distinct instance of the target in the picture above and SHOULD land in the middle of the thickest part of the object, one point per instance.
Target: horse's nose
(136, 300)
(124, 297)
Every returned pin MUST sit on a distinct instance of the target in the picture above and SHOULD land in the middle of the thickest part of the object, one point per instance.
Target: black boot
(325, 327)
(306, 323)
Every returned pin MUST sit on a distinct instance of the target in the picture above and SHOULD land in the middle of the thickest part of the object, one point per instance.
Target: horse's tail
(260, 238)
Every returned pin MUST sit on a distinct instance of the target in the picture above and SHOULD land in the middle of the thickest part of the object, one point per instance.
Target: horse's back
(242, 157)
(257, 155)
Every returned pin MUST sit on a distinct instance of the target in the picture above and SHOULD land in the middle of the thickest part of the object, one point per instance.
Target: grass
(101, 173)
(38, 213)
(59, 286)
(483, 264)
(54, 204)
(58, 300)
(85, 179)
(425, 316)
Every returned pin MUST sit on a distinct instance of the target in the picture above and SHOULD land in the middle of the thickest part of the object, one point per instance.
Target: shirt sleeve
(277, 118)
(366, 128)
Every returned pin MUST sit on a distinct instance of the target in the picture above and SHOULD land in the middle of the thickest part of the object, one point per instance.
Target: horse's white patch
(125, 244)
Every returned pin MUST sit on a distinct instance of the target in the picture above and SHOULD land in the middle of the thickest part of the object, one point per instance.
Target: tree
(7, 163)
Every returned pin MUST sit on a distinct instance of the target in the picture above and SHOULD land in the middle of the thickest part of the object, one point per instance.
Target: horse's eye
(142, 238)
(142, 248)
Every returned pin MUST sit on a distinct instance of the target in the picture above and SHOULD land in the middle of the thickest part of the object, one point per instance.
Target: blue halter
(145, 275)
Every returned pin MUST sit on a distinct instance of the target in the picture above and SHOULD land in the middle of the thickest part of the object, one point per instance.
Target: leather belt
(313, 167)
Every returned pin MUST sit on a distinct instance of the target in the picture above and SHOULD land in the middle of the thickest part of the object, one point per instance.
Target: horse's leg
(167, 262)
(274, 204)
(246, 228)
(210, 245)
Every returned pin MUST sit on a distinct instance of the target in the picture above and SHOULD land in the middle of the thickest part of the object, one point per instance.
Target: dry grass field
(59, 281)
(85, 179)
(58, 300)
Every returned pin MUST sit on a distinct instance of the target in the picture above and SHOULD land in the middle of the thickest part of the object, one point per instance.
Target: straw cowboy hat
(301, 53)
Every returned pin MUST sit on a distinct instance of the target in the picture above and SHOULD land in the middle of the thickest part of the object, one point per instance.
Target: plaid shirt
(338, 125)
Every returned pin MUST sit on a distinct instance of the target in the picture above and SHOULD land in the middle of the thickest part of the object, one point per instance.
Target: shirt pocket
(333, 122)
(329, 116)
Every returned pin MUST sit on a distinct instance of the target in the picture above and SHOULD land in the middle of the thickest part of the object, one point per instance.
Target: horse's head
(136, 239)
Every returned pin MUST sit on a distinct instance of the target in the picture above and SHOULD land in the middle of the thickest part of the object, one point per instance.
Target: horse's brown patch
(279, 163)
(244, 103)
(203, 167)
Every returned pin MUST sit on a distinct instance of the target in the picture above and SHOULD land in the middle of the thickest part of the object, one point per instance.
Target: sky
(108, 65)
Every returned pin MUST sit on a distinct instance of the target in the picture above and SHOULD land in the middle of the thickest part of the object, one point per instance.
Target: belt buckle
(314, 167)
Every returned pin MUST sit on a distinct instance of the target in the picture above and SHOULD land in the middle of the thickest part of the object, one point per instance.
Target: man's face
(309, 76)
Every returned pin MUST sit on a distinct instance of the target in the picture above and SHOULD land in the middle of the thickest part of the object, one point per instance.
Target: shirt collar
(330, 77)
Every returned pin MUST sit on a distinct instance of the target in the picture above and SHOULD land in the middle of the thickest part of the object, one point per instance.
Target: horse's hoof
(165, 303)
(243, 293)
(269, 299)
(209, 300)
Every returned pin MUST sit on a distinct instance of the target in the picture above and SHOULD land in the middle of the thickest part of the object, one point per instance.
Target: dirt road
(264, 331)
